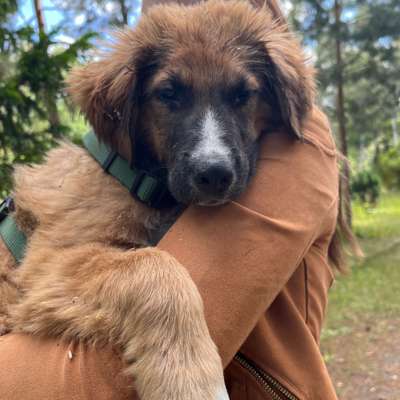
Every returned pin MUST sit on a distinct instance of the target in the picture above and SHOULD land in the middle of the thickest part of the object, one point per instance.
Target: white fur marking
(211, 144)
(222, 394)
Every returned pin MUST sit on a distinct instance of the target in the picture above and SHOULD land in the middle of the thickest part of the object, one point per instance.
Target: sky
(52, 15)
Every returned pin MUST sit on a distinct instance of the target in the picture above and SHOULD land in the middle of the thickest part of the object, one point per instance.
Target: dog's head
(195, 87)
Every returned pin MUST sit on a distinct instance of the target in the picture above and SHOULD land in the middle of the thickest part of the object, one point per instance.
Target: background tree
(32, 68)
(355, 44)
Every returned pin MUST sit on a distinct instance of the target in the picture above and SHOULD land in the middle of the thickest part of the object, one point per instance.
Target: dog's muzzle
(213, 179)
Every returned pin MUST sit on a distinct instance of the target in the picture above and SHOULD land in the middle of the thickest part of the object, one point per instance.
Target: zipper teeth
(258, 376)
(270, 384)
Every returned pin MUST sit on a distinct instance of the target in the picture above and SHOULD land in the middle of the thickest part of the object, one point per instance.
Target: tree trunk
(345, 178)
(49, 101)
(37, 5)
(124, 11)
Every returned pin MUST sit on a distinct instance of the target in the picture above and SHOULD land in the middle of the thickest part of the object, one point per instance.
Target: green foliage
(42, 70)
(389, 167)
(7, 7)
(365, 186)
(32, 69)
(369, 33)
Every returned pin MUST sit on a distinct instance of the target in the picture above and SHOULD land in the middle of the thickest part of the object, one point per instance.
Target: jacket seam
(306, 291)
(313, 236)
(329, 151)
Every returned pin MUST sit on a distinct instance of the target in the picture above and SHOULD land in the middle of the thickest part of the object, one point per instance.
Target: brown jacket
(261, 266)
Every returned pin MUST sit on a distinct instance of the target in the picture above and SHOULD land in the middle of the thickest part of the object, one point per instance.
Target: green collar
(146, 188)
(143, 186)
(13, 237)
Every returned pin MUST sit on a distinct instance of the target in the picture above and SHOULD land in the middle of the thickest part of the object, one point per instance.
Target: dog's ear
(288, 76)
(107, 90)
(274, 8)
(291, 81)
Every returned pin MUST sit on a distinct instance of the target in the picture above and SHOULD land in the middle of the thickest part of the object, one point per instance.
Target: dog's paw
(178, 375)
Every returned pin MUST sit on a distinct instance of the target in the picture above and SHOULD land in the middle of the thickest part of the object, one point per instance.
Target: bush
(389, 167)
(366, 187)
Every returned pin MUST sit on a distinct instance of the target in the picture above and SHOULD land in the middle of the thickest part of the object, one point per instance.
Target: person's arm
(242, 254)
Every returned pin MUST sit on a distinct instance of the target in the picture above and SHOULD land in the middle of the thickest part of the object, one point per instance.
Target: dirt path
(365, 362)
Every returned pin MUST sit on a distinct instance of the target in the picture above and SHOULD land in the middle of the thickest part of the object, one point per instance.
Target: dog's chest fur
(69, 200)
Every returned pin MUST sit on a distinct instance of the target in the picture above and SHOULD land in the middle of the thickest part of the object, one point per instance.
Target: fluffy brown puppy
(186, 95)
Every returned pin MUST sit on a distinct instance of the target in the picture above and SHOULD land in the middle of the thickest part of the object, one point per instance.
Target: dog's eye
(167, 94)
(240, 96)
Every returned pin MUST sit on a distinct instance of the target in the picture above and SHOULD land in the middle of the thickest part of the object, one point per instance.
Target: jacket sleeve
(241, 254)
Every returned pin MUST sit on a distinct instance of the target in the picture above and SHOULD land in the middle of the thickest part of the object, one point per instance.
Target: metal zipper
(270, 384)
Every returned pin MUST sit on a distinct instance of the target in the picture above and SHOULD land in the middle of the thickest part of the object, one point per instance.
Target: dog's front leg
(143, 301)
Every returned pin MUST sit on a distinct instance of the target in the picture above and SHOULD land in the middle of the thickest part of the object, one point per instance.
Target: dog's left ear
(107, 90)
(288, 77)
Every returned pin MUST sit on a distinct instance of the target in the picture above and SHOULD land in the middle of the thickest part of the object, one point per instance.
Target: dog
(187, 96)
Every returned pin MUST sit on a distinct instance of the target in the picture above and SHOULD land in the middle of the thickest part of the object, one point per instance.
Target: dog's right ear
(101, 92)
(274, 7)
(106, 90)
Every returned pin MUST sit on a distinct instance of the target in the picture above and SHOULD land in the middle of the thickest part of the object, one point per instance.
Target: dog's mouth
(212, 203)
(189, 195)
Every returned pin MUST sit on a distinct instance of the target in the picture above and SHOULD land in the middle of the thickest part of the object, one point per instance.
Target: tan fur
(86, 275)
(8, 287)
(78, 282)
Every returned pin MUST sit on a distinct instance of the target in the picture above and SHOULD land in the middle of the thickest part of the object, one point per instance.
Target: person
(262, 265)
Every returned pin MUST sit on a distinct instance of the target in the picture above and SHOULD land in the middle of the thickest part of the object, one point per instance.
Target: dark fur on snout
(160, 79)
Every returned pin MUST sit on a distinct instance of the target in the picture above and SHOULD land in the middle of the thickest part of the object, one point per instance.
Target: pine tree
(32, 69)
(356, 47)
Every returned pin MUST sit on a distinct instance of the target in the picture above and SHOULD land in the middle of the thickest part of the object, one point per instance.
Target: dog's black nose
(214, 179)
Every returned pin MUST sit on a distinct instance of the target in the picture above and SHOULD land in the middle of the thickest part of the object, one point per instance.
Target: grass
(380, 222)
(373, 287)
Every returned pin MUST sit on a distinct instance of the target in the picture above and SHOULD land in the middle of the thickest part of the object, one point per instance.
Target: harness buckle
(7, 206)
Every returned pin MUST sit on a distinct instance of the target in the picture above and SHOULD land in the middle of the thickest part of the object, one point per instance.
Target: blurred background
(355, 45)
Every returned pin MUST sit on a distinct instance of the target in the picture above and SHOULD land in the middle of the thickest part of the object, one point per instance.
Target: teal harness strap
(140, 184)
(143, 186)
(13, 237)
